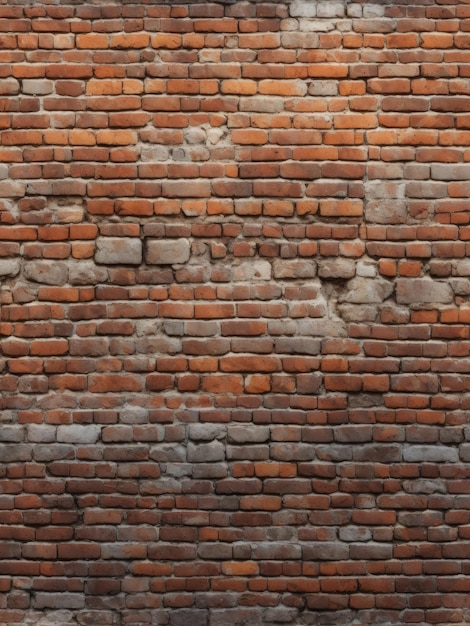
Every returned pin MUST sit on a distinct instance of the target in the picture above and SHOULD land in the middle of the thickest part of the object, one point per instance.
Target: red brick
(214, 311)
(223, 384)
(321, 71)
(300, 170)
(105, 383)
(277, 189)
(389, 85)
(93, 41)
(159, 382)
(249, 364)
(130, 40)
(259, 40)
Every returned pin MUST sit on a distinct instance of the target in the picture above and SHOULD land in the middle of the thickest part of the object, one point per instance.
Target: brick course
(234, 313)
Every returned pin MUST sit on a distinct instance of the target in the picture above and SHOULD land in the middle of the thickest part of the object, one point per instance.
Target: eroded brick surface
(234, 313)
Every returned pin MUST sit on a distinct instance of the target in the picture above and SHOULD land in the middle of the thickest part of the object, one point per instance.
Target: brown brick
(102, 383)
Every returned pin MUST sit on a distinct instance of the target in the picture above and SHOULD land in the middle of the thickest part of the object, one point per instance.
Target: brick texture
(234, 300)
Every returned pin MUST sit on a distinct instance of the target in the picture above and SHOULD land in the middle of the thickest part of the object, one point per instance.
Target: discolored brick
(118, 251)
(167, 252)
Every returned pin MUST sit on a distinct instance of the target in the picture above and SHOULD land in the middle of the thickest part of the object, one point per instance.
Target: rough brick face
(234, 313)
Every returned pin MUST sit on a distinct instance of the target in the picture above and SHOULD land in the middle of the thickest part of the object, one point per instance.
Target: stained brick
(325, 551)
(59, 600)
(78, 434)
(167, 252)
(422, 290)
(118, 251)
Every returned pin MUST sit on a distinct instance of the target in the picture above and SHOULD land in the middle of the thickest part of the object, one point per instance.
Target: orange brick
(389, 85)
(81, 137)
(376, 383)
(282, 87)
(92, 41)
(49, 347)
(81, 250)
(328, 71)
(130, 40)
(239, 87)
(259, 40)
(437, 40)
(249, 137)
(223, 384)
(58, 294)
(116, 137)
(347, 208)
(387, 267)
(363, 120)
(171, 41)
(105, 87)
(237, 568)
(257, 383)
(402, 40)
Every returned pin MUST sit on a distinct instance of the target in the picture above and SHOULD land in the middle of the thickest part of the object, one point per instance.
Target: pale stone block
(252, 270)
(367, 291)
(167, 252)
(423, 291)
(294, 268)
(46, 272)
(87, 273)
(9, 87)
(205, 452)
(37, 87)
(9, 267)
(118, 251)
(303, 8)
(430, 454)
(77, 433)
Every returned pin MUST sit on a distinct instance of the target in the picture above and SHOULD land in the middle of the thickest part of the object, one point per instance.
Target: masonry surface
(235, 307)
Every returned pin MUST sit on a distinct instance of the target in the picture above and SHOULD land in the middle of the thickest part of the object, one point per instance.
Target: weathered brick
(325, 551)
(433, 454)
(189, 617)
(299, 8)
(45, 600)
(252, 271)
(337, 268)
(78, 434)
(167, 252)
(9, 87)
(422, 290)
(295, 268)
(37, 87)
(9, 267)
(46, 272)
(441, 171)
(118, 251)
(243, 434)
(275, 550)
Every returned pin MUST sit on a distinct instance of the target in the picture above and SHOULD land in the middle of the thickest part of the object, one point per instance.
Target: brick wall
(235, 307)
